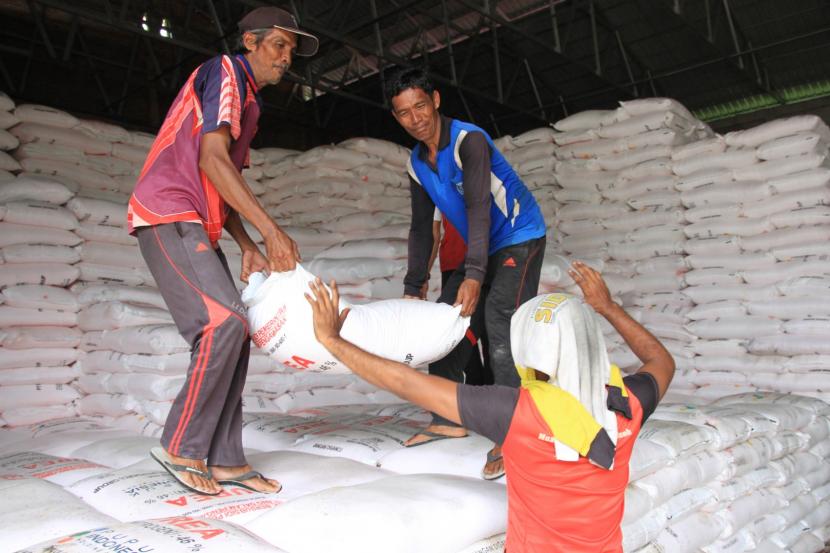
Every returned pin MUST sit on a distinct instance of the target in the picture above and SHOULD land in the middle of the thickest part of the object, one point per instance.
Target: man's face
(271, 58)
(417, 112)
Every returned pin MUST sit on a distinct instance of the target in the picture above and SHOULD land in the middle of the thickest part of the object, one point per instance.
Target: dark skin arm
(656, 359)
(433, 393)
(282, 253)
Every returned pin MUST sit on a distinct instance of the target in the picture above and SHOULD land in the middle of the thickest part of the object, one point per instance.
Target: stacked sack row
(347, 207)
(621, 211)
(38, 320)
(758, 201)
(745, 473)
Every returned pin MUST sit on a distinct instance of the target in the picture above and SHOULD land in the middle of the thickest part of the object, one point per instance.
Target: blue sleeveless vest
(514, 214)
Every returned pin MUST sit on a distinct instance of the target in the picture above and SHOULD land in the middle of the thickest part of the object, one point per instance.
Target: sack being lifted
(408, 331)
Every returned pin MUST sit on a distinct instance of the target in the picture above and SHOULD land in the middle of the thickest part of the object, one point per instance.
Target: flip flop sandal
(242, 478)
(433, 437)
(492, 458)
(173, 469)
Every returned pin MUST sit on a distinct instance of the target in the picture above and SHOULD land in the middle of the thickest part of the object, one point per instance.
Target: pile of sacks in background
(717, 244)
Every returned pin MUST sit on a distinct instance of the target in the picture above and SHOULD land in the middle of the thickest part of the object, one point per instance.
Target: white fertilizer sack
(409, 331)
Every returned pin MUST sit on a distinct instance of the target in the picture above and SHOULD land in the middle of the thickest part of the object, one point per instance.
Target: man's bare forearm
(430, 392)
(642, 342)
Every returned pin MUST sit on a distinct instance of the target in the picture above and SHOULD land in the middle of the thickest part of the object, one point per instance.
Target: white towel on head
(559, 335)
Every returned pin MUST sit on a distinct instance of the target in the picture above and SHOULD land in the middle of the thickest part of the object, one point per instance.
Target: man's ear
(436, 98)
(249, 40)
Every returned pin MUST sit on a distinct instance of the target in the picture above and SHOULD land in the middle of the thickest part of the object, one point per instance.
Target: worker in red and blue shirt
(456, 168)
(189, 190)
(555, 504)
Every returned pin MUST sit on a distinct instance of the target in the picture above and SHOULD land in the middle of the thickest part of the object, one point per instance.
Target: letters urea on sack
(409, 331)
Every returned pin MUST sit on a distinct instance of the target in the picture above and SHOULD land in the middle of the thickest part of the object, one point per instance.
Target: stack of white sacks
(745, 473)
(644, 193)
(347, 206)
(622, 214)
(759, 208)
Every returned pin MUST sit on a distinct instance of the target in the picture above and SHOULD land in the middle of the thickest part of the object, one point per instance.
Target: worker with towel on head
(567, 433)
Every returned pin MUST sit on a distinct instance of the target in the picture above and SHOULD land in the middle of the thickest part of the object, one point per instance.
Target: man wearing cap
(568, 431)
(456, 168)
(189, 189)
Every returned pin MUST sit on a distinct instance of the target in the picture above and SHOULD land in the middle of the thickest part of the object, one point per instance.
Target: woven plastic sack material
(130, 495)
(489, 545)
(777, 128)
(33, 337)
(90, 294)
(177, 534)
(460, 457)
(381, 248)
(37, 296)
(302, 474)
(58, 470)
(12, 397)
(39, 375)
(741, 328)
(717, 309)
(270, 432)
(389, 151)
(637, 504)
(535, 136)
(39, 253)
(779, 167)
(16, 316)
(799, 181)
(793, 145)
(98, 211)
(34, 188)
(337, 158)
(82, 176)
(742, 292)
(718, 194)
(690, 534)
(8, 163)
(45, 115)
(646, 122)
(104, 233)
(7, 119)
(35, 510)
(680, 438)
(786, 237)
(42, 213)
(818, 196)
(128, 276)
(726, 160)
(409, 331)
(53, 274)
(119, 255)
(637, 534)
(589, 149)
(106, 405)
(358, 221)
(114, 314)
(461, 512)
(152, 339)
(367, 439)
(814, 265)
(648, 457)
(583, 120)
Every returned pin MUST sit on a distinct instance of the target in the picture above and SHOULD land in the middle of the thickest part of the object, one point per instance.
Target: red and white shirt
(171, 186)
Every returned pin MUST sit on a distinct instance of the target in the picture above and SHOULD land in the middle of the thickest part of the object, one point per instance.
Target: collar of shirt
(443, 140)
(250, 74)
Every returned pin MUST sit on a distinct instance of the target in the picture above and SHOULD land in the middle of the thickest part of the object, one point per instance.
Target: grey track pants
(205, 421)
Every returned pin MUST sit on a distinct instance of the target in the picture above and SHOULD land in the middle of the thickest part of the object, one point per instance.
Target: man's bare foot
(494, 467)
(229, 476)
(198, 482)
(435, 432)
